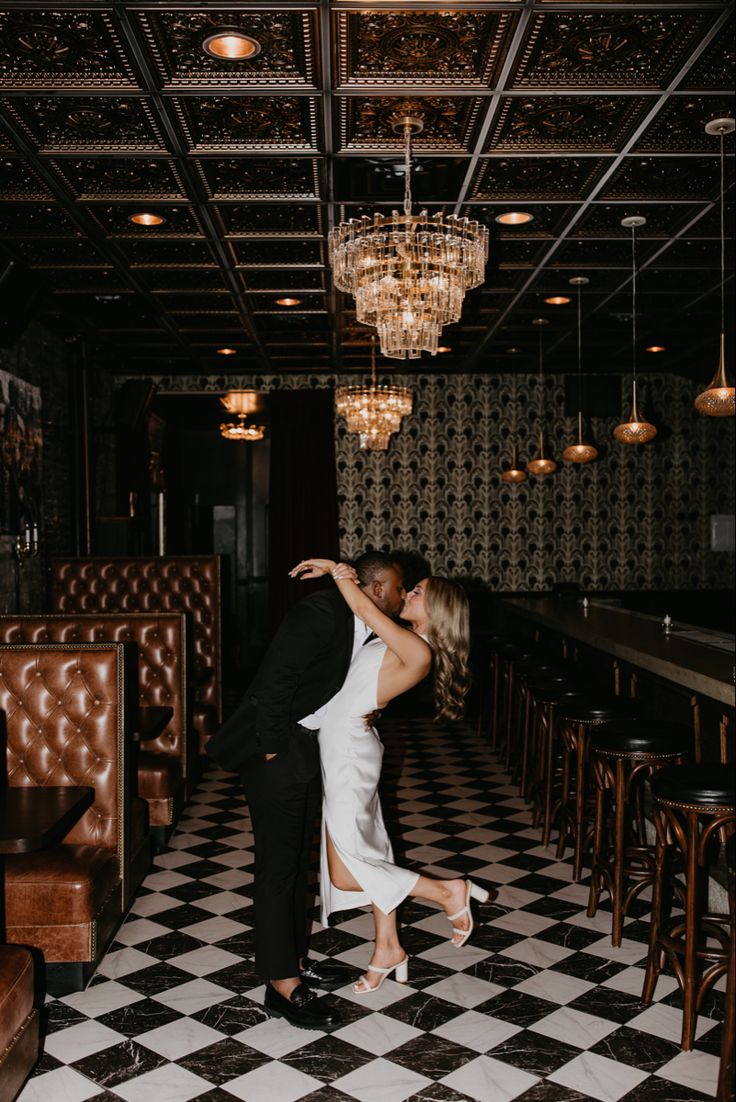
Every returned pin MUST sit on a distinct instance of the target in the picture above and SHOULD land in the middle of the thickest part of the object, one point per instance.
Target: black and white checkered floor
(538, 1006)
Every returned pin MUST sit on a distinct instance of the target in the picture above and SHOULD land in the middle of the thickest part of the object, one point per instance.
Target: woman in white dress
(357, 865)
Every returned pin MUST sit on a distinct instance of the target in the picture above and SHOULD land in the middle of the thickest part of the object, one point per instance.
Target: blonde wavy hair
(449, 637)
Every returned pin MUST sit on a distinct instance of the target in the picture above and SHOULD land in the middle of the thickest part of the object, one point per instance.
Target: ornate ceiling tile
(44, 49)
(78, 124)
(61, 253)
(680, 125)
(213, 302)
(121, 178)
(579, 49)
(287, 41)
(381, 179)
(180, 221)
(665, 178)
(587, 253)
(103, 281)
(421, 49)
(199, 323)
(604, 220)
(260, 177)
(306, 324)
(536, 177)
(547, 219)
(308, 304)
(281, 254)
(591, 124)
(18, 181)
(715, 68)
(192, 280)
(267, 220)
(689, 253)
(167, 253)
(239, 123)
(280, 279)
(517, 253)
(679, 280)
(35, 220)
(449, 122)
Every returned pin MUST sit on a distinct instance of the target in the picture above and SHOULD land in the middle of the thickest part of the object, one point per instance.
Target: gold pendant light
(541, 465)
(718, 399)
(373, 412)
(242, 403)
(637, 430)
(514, 474)
(580, 452)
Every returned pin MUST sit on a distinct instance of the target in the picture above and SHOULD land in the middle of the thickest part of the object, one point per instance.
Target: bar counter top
(639, 640)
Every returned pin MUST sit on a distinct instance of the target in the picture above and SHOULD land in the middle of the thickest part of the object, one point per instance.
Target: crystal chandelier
(718, 399)
(636, 430)
(408, 272)
(580, 452)
(241, 403)
(373, 412)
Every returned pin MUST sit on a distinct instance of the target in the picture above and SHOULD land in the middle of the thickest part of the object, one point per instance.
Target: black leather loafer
(328, 974)
(303, 1009)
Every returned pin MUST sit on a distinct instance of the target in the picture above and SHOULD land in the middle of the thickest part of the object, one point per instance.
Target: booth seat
(182, 583)
(67, 709)
(166, 764)
(19, 1020)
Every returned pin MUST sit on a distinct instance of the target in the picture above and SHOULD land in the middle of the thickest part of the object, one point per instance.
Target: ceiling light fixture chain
(718, 400)
(580, 452)
(637, 430)
(541, 465)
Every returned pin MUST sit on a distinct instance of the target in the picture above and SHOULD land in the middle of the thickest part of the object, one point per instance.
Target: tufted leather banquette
(65, 707)
(161, 642)
(182, 583)
(19, 1020)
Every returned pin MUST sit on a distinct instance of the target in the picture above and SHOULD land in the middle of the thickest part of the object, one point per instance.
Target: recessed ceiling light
(514, 218)
(513, 351)
(230, 45)
(227, 351)
(557, 300)
(288, 301)
(656, 348)
(147, 218)
(444, 348)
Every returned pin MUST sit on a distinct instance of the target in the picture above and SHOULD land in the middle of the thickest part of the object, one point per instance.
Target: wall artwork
(21, 447)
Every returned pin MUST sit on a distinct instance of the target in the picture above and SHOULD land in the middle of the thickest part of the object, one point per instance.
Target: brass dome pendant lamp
(636, 430)
(718, 399)
(541, 465)
(580, 452)
(514, 474)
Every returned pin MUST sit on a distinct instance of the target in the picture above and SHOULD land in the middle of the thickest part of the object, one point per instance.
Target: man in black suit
(271, 739)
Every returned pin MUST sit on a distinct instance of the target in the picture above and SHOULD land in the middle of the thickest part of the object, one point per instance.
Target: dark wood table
(33, 818)
(151, 722)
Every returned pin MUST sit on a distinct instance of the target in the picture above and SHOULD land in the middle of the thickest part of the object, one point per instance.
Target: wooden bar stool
(561, 679)
(694, 813)
(623, 756)
(547, 696)
(727, 1068)
(535, 667)
(577, 721)
(494, 645)
(510, 656)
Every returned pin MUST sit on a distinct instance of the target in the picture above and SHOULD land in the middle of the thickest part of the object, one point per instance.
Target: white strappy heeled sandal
(362, 987)
(473, 891)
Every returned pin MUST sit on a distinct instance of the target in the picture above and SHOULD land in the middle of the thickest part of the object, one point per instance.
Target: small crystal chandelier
(373, 412)
(636, 430)
(242, 403)
(408, 273)
(718, 399)
(541, 465)
(580, 452)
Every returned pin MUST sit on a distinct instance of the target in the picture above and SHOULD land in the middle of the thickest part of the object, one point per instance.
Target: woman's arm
(409, 648)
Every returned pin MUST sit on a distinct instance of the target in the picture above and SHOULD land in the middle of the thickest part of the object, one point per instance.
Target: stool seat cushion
(554, 693)
(708, 785)
(598, 709)
(643, 736)
(513, 653)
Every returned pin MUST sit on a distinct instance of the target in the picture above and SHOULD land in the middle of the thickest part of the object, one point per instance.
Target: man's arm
(308, 628)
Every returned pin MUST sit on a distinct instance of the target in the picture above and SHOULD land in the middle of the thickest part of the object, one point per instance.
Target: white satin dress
(351, 757)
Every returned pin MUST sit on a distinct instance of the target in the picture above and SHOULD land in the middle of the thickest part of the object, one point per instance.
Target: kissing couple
(301, 739)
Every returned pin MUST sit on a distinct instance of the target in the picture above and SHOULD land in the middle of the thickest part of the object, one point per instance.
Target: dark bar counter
(704, 668)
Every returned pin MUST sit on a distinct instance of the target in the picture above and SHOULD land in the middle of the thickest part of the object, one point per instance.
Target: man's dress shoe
(303, 1009)
(328, 974)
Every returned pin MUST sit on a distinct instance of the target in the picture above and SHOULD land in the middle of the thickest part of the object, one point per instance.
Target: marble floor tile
(485, 1078)
(168, 1083)
(695, 1070)
(477, 1031)
(575, 1027)
(382, 1081)
(377, 1033)
(61, 1085)
(78, 1041)
(598, 1077)
(179, 1037)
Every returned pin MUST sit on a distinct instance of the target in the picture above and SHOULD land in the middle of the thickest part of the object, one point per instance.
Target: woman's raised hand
(317, 568)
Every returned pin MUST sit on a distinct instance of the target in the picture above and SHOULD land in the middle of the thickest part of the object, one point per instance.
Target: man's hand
(268, 757)
(371, 720)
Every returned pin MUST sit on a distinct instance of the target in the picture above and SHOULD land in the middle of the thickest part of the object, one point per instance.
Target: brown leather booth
(165, 763)
(182, 583)
(66, 707)
(19, 1020)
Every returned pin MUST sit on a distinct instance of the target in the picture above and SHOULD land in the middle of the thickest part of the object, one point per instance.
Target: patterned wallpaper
(636, 519)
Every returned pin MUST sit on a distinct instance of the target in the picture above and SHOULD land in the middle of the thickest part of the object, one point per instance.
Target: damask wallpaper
(638, 518)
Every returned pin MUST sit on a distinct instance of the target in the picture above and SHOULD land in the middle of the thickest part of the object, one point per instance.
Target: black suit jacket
(304, 666)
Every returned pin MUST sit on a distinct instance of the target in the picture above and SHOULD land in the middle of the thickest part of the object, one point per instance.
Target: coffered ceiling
(577, 112)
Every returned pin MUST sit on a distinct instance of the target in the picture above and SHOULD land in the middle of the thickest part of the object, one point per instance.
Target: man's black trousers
(284, 798)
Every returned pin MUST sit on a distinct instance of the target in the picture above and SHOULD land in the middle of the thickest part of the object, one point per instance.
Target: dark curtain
(303, 517)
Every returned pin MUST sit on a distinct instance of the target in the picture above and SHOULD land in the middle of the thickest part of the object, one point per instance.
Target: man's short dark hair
(373, 563)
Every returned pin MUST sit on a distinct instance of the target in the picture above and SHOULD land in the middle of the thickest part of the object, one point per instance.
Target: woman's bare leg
(449, 894)
(340, 874)
(388, 949)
